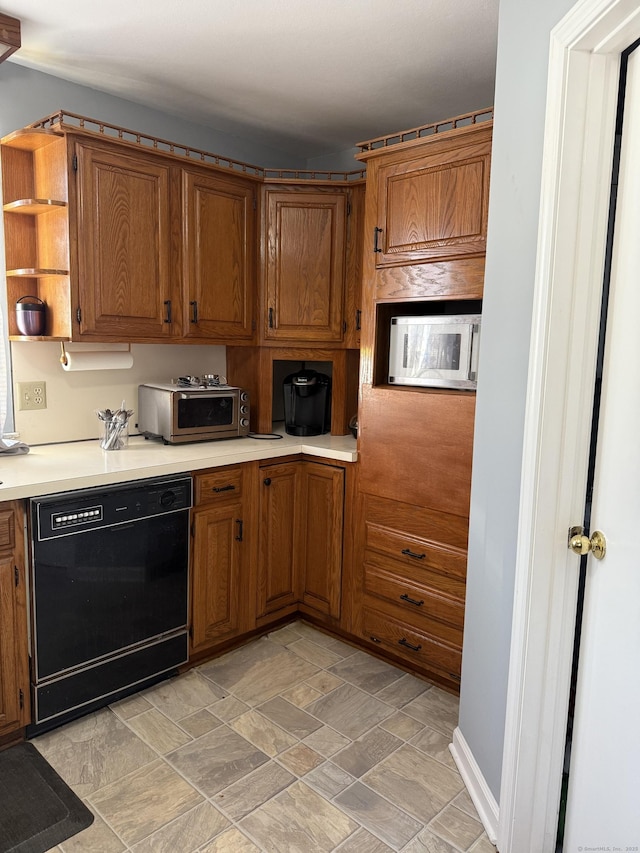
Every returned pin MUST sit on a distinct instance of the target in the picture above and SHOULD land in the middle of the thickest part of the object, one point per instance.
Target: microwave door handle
(473, 352)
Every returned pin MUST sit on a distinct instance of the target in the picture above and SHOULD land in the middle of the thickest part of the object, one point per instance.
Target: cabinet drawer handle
(240, 524)
(375, 640)
(408, 553)
(267, 481)
(406, 598)
(194, 311)
(218, 489)
(407, 645)
(167, 310)
(376, 232)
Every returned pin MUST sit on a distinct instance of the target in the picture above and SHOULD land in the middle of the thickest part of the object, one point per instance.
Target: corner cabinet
(304, 265)
(14, 661)
(301, 539)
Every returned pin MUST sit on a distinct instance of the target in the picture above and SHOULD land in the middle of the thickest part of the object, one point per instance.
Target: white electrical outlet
(32, 395)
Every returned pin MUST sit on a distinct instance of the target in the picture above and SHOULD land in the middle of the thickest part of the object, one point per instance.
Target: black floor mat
(37, 808)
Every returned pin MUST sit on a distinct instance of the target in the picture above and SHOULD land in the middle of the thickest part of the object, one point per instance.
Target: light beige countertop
(51, 468)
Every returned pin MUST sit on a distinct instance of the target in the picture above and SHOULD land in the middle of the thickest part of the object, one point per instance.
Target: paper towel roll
(96, 361)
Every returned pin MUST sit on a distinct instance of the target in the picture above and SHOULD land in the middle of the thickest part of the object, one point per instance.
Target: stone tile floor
(294, 743)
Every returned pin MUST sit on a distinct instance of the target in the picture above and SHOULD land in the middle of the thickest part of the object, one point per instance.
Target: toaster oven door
(204, 413)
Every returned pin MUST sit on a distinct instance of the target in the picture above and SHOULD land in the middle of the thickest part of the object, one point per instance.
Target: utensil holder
(114, 435)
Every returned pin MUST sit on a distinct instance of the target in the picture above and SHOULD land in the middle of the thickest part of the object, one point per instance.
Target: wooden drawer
(7, 530)
(219, 485)
(420, 601)
(441, 529)
(408, 550)
(414, 645)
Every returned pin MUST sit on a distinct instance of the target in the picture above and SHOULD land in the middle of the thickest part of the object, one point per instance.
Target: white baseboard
(482, 798)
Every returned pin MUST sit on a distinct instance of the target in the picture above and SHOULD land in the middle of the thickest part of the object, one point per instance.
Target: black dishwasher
(109, 590)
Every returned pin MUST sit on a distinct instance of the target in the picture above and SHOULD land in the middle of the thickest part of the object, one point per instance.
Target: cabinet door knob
(267, 481)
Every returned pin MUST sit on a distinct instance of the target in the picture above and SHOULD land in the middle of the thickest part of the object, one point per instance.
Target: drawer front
(415, 646)
(420, 602)
(410, 550)
(7, 530)
(220, 485)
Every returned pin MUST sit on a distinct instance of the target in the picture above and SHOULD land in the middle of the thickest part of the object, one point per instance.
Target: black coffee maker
(307, 403)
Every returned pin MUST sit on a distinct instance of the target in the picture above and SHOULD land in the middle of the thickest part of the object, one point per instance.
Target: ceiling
(309, 77)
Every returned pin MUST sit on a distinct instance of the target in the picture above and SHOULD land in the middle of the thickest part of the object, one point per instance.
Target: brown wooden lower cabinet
(14, 663)
(410, 599)
(222, 605)
(293, 536)
(301, 529)
(278, 567)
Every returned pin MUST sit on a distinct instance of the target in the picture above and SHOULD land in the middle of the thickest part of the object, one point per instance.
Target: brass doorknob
(581, 544)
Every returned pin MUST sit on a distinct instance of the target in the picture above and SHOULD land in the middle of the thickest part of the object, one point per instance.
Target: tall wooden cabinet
(14, 661)
(424, 243)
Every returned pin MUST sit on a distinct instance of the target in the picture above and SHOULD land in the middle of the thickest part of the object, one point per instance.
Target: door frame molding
(584, 63)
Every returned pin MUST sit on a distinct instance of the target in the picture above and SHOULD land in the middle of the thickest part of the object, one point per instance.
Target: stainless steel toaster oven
(185, 411)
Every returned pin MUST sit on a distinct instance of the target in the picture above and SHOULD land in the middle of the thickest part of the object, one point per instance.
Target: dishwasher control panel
(69, 519)
(67, 513)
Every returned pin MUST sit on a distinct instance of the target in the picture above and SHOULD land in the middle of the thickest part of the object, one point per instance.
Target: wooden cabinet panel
(417, 444)
(221, 603)
(216, 574)
(321, 528)
(14, 663)
(353, 278)
(219, 257)
(124, 253)
(278, 563)
(305, 263)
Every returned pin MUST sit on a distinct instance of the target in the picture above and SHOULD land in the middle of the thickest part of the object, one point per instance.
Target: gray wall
(523, 52)
(27, 96)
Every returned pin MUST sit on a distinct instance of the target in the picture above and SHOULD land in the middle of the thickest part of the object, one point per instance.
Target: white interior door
(603, 805)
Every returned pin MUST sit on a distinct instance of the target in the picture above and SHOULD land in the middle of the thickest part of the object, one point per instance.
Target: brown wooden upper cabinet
(219, 257)
(124, 254)
(426, 221)
(304, 265)
(127, 244)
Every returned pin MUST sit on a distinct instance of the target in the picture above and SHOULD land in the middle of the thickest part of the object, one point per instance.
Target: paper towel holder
(64, 359)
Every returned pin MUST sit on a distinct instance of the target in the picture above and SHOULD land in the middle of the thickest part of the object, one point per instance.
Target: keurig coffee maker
(307, 403)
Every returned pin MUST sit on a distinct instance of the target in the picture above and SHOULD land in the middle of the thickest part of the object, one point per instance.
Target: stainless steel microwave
(193, 413)
(435, 351)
